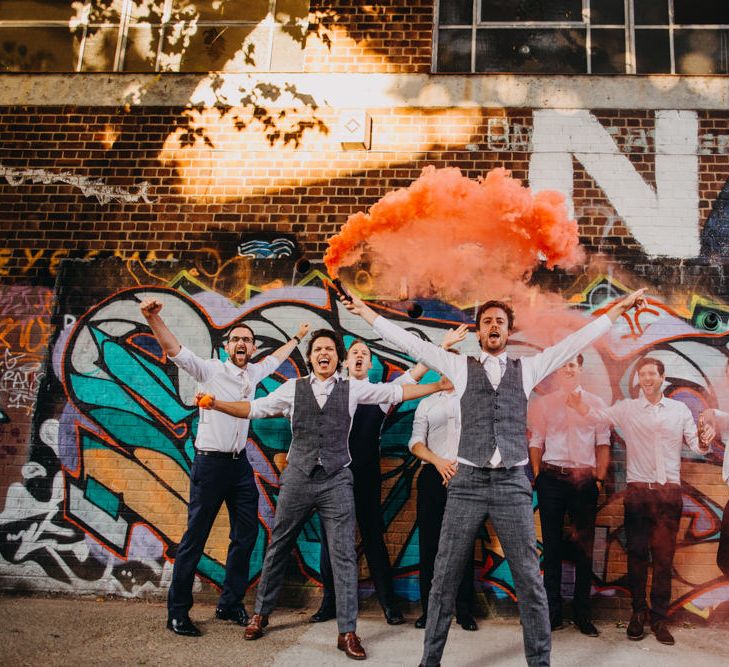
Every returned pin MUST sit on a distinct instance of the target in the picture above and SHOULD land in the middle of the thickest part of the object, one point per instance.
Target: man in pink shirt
(654, 428)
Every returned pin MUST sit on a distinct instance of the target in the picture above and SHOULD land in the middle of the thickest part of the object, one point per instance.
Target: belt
(220, 455)
(565, 472)
(653, 485)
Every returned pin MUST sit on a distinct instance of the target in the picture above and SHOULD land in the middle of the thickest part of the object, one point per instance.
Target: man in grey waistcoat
(492, 455)
(320, 407)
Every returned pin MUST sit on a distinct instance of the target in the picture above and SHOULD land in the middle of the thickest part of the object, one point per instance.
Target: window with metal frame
(582, 36)
(152, 35)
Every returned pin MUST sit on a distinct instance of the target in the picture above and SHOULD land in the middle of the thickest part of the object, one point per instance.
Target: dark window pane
(141, 50)
(38, 50)
(650, 12)
(604, 12)
(454, 51)
(652, 52)
(701, 11)
(608, 51)
(49, 10)
(701, 51)
(538, 50)
(455, 12)
(531, 10)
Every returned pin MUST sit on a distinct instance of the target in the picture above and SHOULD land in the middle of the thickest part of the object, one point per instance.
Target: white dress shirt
(653, 435)
(568, 438)
(281, 401)
(437, 424)
(455, 366)
(722, 423)
(217, 431)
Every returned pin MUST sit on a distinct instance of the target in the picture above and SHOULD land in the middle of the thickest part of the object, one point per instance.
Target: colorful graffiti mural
(102, 503)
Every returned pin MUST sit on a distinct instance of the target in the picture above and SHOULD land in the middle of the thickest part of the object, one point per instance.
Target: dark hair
(494, 303)
(646, 361)
(231, 329)
(338, 344)
(580, 359)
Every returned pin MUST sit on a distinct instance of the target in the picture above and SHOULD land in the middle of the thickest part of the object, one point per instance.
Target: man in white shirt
(220, 471)
(492, 453)
(654, 429)
(364, 447)
(320, 407)
(434, 440)
(569, 458)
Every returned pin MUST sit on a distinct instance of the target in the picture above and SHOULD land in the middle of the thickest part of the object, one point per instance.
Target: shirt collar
(332, 378)
(501, 357)
(645, 403)
(236, 370)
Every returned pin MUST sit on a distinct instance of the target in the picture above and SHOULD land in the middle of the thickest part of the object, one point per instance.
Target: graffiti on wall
(102, 504)
(25, 330)
(89, 187)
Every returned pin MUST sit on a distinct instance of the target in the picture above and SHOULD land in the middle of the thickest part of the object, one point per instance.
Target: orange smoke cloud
(457, 239)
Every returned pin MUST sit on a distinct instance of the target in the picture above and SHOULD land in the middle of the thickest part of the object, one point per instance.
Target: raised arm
(633, 300)
(151, 311)
(284, 352)
(450, 338)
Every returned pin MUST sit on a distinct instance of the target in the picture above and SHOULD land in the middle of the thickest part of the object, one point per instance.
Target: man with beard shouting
(220, 471)
(492, 454)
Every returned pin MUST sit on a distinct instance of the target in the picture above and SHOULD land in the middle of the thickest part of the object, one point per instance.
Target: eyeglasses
(246, 339)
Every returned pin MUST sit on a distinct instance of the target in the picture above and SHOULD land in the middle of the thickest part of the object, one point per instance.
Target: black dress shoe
(556, 623)
(421, 622)
(467, 622)
(324, 613)
(660, 630)
(183, 626)
(393, 616)
(636, 627)
(586, 627)
(237, 615)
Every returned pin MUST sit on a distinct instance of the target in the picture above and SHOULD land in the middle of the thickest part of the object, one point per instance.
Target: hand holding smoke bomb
(342, 289)
(204, 401)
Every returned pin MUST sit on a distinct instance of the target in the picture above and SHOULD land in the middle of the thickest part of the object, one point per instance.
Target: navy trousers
(214, 481)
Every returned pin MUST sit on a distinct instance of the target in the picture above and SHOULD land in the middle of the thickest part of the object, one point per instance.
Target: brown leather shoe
(349, 643)
(255, 627)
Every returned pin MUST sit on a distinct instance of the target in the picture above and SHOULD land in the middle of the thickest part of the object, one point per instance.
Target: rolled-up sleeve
(262, 369)
(374, 393)
(279, 402)
(198, 368)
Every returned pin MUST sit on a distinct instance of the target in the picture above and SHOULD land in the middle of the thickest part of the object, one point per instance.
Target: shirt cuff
(182, 355)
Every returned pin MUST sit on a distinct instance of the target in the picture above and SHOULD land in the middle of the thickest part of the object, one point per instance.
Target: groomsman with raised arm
(569, 458)
(654, 429)
(220, 471)
(320, 407)
(492, 454)
(364, 447)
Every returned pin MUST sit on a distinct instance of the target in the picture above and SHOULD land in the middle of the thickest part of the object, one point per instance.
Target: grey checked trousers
(333, 496)
(505, 495)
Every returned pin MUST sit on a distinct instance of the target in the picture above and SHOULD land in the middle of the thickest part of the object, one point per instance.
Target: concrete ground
(63, 631)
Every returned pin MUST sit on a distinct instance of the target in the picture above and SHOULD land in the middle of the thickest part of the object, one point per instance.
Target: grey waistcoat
(320, 434)
(493, 417)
